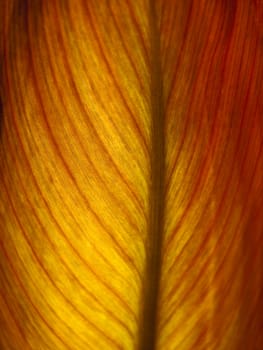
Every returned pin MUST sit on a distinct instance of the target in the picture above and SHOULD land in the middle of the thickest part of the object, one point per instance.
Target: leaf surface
(131, 175)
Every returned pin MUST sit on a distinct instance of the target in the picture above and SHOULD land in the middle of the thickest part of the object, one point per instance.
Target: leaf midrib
(150, 296)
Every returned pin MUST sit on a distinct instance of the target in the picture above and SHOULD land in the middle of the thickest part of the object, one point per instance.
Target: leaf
(131, 175)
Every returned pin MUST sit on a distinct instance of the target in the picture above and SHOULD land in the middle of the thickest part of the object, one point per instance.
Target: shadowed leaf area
(131, 162)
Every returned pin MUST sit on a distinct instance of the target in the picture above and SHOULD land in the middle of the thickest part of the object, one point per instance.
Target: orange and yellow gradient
(131, 175)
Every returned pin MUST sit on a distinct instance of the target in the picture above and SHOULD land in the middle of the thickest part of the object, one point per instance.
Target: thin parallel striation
(9, 145)
(98, 176)
(204, 301)
(74, 176)
(127, 49)
(17, 329)
(191, 200)
(68, 170)
(22, 230)
(123, 100)
(65, 265)
(63, 39)
(138, 29)
(131, 161)
(205, 163)
(112, 195)
(194, 92)
(27, 295)
(166, 26)
(53, 245)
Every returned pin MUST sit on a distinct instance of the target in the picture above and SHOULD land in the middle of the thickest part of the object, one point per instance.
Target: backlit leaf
(131, 175)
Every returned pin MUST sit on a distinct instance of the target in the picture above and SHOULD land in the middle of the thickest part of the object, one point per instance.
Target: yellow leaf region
(131, 188)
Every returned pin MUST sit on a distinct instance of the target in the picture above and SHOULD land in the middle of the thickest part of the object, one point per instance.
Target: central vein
(148, 328)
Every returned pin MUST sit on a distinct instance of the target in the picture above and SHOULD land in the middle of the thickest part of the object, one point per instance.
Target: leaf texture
(213, 103)
(131, 175)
